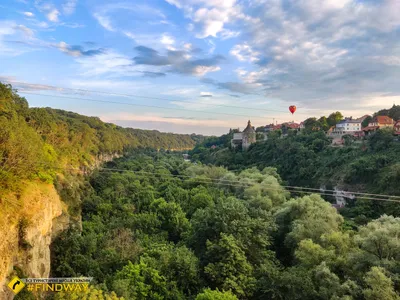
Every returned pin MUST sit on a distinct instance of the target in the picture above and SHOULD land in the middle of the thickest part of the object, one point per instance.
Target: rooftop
(383, 120)
(249, 128)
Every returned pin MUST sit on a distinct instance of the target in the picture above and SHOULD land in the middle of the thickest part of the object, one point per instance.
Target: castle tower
(249, 136)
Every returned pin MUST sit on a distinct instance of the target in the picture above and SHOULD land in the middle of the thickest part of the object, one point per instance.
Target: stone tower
(249, 136)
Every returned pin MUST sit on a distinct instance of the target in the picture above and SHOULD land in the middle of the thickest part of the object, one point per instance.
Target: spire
(249, 123)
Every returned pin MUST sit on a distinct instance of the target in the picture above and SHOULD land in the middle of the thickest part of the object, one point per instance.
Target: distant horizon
(187, 129)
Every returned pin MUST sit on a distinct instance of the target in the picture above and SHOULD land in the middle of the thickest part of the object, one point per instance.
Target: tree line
(36, 143)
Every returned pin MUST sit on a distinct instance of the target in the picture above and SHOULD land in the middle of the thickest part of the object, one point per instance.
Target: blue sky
(214, 64)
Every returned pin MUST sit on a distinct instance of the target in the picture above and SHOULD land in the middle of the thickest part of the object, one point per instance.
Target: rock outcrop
(26, 232)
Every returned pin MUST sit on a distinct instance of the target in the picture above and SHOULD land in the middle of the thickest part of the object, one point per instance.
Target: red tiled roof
(293, 125)
(384, 120)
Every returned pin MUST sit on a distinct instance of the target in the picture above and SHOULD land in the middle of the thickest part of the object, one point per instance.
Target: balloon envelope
(292, 109)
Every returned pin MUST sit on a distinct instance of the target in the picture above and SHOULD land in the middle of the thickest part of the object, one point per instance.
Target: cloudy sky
(203, 65)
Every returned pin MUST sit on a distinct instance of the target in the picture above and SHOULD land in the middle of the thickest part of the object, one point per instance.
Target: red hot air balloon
(292, 109)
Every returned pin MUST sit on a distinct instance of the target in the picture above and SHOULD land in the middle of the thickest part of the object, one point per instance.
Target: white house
(348, 125)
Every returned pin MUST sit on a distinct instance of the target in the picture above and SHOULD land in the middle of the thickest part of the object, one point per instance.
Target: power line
(291, 189)
(154, 98)
(242, 184)
(239, 183)
(235, 181)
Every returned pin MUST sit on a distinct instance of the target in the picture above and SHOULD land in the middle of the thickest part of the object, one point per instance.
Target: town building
(245, 138)
(379, 122)
(396, 128)
(348, 126)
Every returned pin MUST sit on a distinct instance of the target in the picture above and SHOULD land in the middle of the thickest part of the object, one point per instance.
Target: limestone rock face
(26, 233)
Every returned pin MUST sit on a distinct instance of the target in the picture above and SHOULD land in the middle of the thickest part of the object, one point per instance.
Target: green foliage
(159, 236)
(139, 281)
(379, 239)
(334, 118)
(228, 268)
(366, 121)
(393, 112)
(92, 293)
(380, 287)
(209, 294)
(308, 217)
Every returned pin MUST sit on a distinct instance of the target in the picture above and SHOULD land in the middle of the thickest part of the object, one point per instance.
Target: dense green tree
(323, 121)
(379, 238)
(228, 268)
(308, 217)
(380, 287)
(366, 121)
(312, 124)
(139, 281)
(177, 264)
(334, 118)
(209, 294)
(393, 112)
(91, 293)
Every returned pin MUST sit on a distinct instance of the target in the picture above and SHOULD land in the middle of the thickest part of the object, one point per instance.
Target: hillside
(43, 154)
(36, 142)
(307, 159)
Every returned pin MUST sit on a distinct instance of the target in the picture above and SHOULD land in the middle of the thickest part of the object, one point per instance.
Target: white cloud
(64, 47)
(168, 41)
(228, 34)
(109, 15)
(388, 60)
(202, 70)
(212, 46)
(23, 34)
(28, 14)
(313, 50)
(69, 6)
(177, 3)
(152, 40)
(209, 15)
(109, 63)
(52, 15)
(104, 21)
(27, 31)
(244, 52)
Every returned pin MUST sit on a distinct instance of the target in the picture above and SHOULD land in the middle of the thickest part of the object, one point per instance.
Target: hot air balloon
(292, 109)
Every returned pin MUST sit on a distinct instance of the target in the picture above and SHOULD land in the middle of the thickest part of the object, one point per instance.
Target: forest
(150, 225)
(160, 228)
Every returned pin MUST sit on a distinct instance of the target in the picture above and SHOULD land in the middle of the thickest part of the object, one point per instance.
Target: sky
(203, 66)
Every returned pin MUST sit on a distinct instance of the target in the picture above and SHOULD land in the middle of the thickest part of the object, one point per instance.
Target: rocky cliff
(29, 221)
(26, 232)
